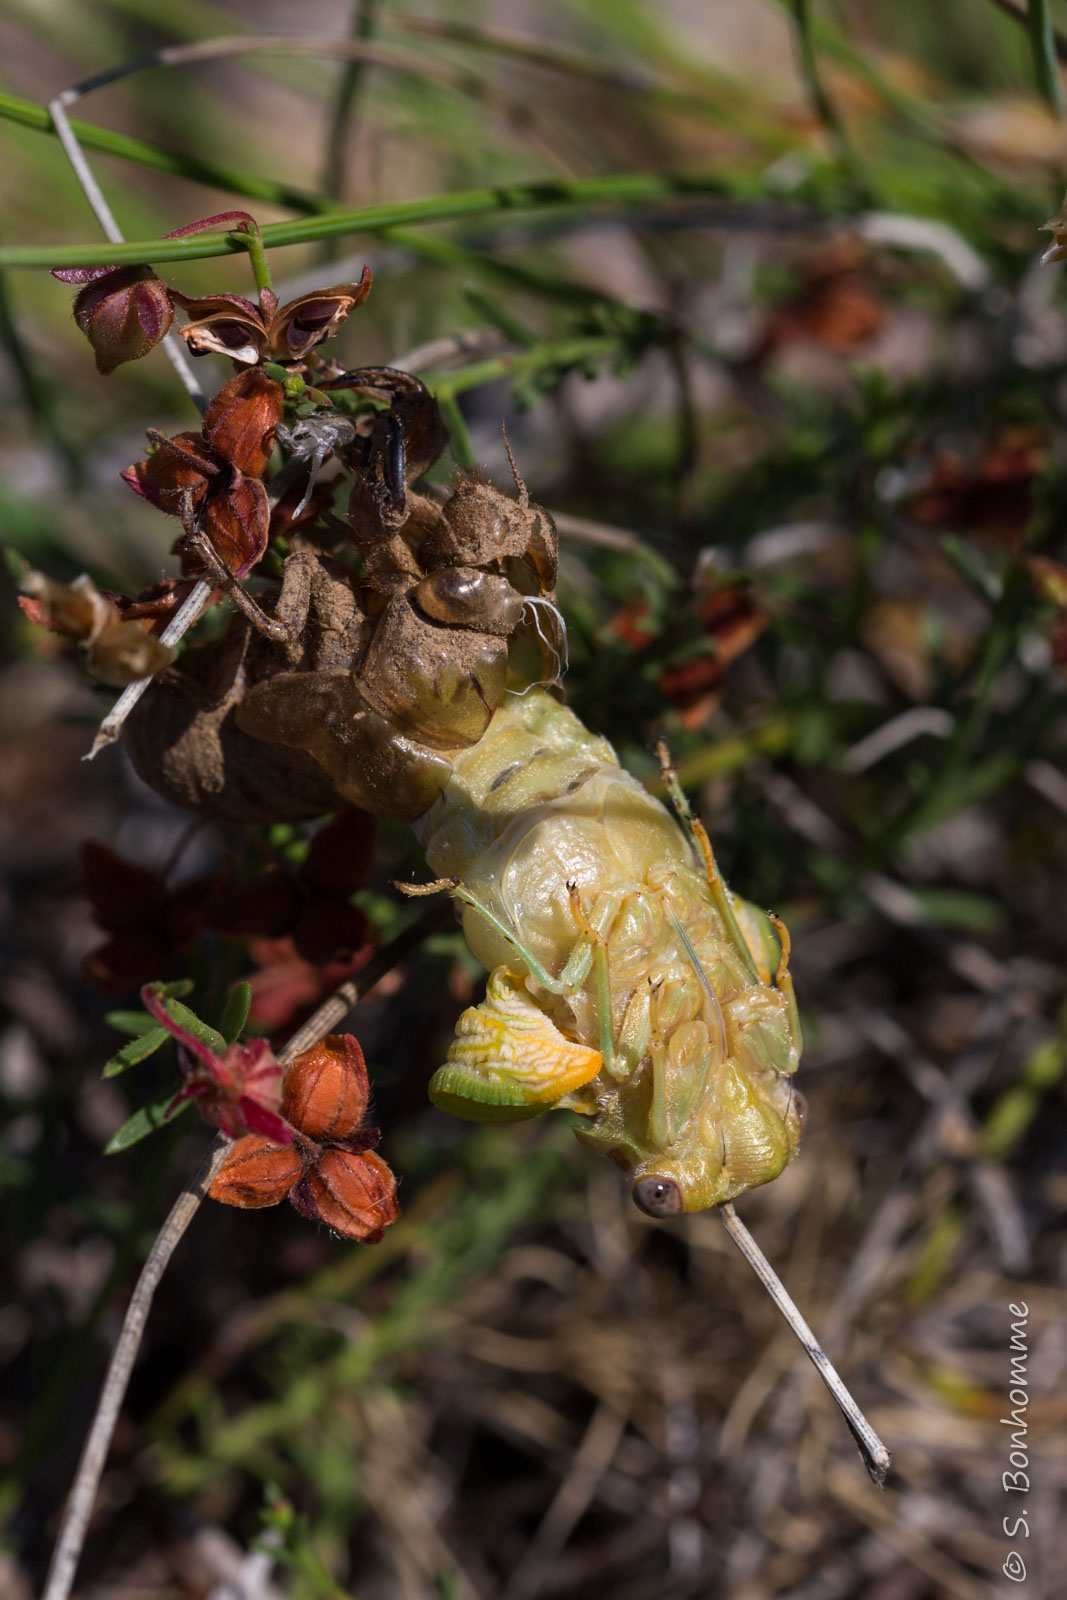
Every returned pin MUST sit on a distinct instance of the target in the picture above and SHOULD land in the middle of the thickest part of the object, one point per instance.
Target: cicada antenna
(876, 1457)
(524, 494)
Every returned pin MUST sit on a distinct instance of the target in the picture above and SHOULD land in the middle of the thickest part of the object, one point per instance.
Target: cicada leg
(599, 947)
(784, 981)
(578, 963)
(590, 952)
(720, 895)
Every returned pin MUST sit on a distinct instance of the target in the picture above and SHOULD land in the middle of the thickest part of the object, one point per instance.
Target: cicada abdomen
(580, 893)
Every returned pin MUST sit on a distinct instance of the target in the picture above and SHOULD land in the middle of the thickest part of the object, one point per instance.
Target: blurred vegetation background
(803, 418)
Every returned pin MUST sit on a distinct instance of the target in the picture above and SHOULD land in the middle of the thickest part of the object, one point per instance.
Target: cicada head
(737, 1147)
(710, 1111)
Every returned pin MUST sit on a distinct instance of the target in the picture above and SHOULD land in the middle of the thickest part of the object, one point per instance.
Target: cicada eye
(658, 1197)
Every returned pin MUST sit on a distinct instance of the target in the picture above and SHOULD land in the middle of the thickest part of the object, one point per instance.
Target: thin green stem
(444, 252)
(562, 353)
(153, 156)
(1018, 11)
(822, 104)
(353, 75)
(620, 190)
(252, 239)
(459, 438)
(1043, 49)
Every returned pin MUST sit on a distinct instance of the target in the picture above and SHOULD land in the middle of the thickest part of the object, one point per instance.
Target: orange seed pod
(355, 1195)
(256, 1173)
(326, 1088)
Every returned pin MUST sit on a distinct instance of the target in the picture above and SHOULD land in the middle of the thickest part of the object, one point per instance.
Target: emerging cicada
(627, 984)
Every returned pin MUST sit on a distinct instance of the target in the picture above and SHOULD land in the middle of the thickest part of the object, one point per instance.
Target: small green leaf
(142, 1123)
(173, 990)
(200, 1030)
(235, 1013)
(144, 1045)
(132, 1022)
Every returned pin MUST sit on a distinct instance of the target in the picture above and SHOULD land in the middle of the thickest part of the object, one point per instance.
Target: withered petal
(210, 305)
(124, 653)
(240, 421)
(123, 895)
(167, 477)
(237, 522)
(301, 324)
(340, 854)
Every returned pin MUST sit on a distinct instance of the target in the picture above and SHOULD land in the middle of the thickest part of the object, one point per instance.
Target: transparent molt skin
(592, 886)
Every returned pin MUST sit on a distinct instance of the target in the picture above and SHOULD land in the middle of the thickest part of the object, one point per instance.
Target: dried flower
(1057, 226)
(732, 620)
(230, 325)
(237, 1089)
(123, 311)
(835, 305)
(211, 479)
(989, 492)
(306, 935)
(118, 652)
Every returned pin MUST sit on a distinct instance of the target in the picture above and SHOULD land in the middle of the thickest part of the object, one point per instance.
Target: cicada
(627, 984)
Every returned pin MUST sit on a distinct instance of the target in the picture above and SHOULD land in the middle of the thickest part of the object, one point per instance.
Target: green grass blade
(1043, 50)
(621, 190)
(175, 162)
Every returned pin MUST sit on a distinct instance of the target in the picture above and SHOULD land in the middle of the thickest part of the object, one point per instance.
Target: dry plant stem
(91, 1466)
(187, 613)
(876, 1457)
(366, 52)
(104, 215)
(198, 598)
(94, 1455)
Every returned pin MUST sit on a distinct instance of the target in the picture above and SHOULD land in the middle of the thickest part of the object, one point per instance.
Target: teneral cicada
(626, 982)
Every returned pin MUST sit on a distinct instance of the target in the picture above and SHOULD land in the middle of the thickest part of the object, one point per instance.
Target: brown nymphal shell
(189, 748)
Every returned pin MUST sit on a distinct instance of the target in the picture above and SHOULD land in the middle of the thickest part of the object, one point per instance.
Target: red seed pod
(326, 1088)
(256, 1173)
(124, 313)
(355, 1195)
